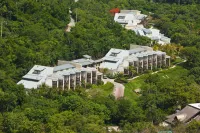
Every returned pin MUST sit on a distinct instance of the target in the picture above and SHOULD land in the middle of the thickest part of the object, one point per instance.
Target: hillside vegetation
(33, 32)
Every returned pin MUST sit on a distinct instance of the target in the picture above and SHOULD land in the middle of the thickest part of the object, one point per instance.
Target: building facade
(148, 60)
(142, 58)
(71, 78)
(67, 75)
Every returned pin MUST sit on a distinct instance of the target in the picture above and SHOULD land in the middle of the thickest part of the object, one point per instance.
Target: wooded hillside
(33, 32)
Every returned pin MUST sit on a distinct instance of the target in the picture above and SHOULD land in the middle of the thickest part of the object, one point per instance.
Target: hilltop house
(129, 18)
(134, 20)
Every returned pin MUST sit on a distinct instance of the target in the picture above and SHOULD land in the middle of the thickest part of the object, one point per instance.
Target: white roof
(34, 80)
(196, 105)
(63, 67)
(120, 53)
(135, 12)
(125, 18)
(29, 84)
(125, 63)
(113, 58)
(108, 65)
(155, 33)
(141, 33)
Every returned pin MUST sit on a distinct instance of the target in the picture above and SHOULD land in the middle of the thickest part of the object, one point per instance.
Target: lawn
(171, 73)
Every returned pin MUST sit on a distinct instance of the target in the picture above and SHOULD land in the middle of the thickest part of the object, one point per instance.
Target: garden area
(137, 83)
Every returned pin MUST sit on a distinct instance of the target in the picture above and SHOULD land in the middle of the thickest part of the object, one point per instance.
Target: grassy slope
(172, 73)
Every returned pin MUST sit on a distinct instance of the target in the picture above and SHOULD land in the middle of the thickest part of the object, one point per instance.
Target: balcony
(89, 75)
(66, 84)
(88, 80)
(54, 84)
(71, 82)
(82, 78)
(94, 81)
(163, 56)
(60, 83)
(99, 77)
(78, 82)
(78, 79)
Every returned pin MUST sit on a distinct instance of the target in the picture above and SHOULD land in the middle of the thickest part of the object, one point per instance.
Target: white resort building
(142, 58)
(67, 75)
(70, 74)
(134, 20)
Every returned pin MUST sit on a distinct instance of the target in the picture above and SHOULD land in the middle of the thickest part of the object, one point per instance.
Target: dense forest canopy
(33, 32)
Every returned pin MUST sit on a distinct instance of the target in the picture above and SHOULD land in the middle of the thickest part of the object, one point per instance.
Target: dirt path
(72, 21)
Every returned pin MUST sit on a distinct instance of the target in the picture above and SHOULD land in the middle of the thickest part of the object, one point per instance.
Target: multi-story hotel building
(68, 75)
(71, 78)
(142, 58)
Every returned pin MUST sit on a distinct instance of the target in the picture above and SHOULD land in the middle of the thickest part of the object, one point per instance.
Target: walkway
(118, 90)
(159, 70)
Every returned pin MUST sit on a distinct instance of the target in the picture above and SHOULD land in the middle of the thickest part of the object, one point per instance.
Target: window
(113, 54)
(121, 17)
(36, 72)
(109, 61)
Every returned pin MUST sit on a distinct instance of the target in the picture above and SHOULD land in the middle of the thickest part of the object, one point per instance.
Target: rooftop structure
(87, 56)
(84, 62)
(113, 59)
(186, 115)
(63, 67)
(36, 76)
(153, 34)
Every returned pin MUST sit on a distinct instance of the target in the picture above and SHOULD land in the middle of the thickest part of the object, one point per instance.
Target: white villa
(129, 18)
(133, 20)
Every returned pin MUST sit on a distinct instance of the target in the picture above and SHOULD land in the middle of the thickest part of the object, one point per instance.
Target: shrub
(121, 80)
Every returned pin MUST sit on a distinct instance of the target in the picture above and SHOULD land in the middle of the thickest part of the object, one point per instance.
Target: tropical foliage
(33, 32)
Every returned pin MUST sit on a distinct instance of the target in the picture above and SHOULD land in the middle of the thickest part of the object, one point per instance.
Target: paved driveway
(118, 90)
